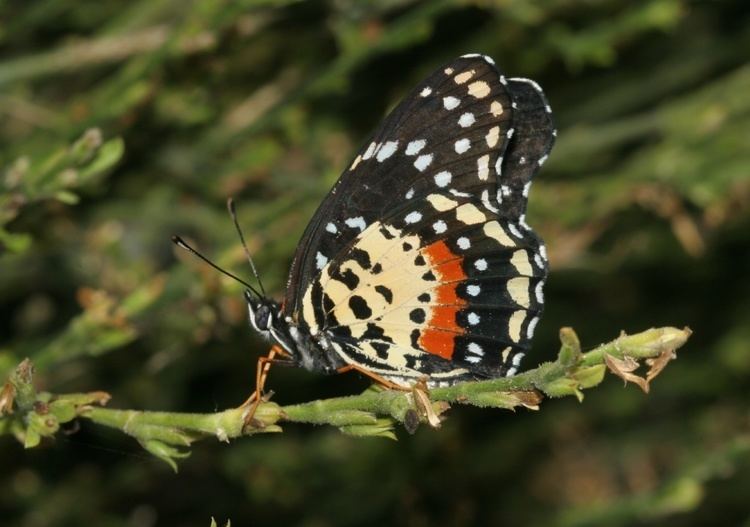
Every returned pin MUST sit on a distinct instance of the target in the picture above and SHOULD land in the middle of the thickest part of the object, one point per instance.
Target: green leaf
(15, 242)
(106, 157)
(165, 452)
(66, 197)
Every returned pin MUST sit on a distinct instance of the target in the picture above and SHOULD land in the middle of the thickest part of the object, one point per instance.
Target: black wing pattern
(419, 261)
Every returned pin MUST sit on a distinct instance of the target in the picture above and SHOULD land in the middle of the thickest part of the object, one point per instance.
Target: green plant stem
(372, 413)
(365, 408)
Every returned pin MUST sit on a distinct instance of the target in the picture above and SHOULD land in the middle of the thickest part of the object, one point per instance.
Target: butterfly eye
(263, 317)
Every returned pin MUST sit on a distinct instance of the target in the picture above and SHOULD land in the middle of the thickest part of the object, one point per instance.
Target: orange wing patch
(441, 328)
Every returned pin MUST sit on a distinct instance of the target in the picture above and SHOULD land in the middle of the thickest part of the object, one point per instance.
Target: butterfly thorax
(305, 350)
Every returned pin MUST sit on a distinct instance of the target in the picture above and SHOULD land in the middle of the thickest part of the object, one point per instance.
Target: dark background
(643, 205)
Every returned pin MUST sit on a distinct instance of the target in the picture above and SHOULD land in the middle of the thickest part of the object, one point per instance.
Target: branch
(30, 416)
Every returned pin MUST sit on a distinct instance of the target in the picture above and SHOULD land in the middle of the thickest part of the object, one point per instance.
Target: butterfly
(418, 265)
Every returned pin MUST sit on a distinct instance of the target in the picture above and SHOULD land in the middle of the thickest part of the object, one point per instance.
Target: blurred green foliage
(122, 123)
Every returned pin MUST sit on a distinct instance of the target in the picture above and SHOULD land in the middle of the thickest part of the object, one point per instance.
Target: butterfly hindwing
(455, 284)
(528, 150)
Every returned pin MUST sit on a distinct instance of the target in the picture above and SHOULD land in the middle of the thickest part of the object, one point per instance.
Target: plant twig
(30, 415)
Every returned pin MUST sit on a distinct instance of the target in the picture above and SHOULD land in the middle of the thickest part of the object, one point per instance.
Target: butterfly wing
(415, 146)
(531, 144)
(419, 261)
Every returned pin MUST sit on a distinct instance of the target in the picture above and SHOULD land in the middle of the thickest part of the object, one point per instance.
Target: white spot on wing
(476, 349)
(413, 217)
(443, 178)
(331, 227)
(499, 167)
(539, 293)
(415, 146)
(450, 102)
(473, 319)
(423, 162)
(473, 290)
(320, 260)
(532, 326)
(462, 145)
(522, 222)
(514, 230)
(542, 160)
(481, 264)
(486, 202)
(356, 223)
(370, 151)
(466, 119)
(463, 243)
(425, 91)
(440, 227)
(387, 150)
(409, 194)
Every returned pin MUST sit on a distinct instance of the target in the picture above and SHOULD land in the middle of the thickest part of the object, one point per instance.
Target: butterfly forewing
(419, 262)
(448, 132)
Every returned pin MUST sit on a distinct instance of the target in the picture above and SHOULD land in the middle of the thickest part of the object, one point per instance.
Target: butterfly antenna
(179, 242)
(233, 214)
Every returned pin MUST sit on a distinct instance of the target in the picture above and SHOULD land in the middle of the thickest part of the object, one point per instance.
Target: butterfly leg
(261, 374)
(374, 376)
(421, 394)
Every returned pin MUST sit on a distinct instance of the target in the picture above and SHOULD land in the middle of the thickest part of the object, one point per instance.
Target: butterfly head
(263, 312)
(266, 318)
